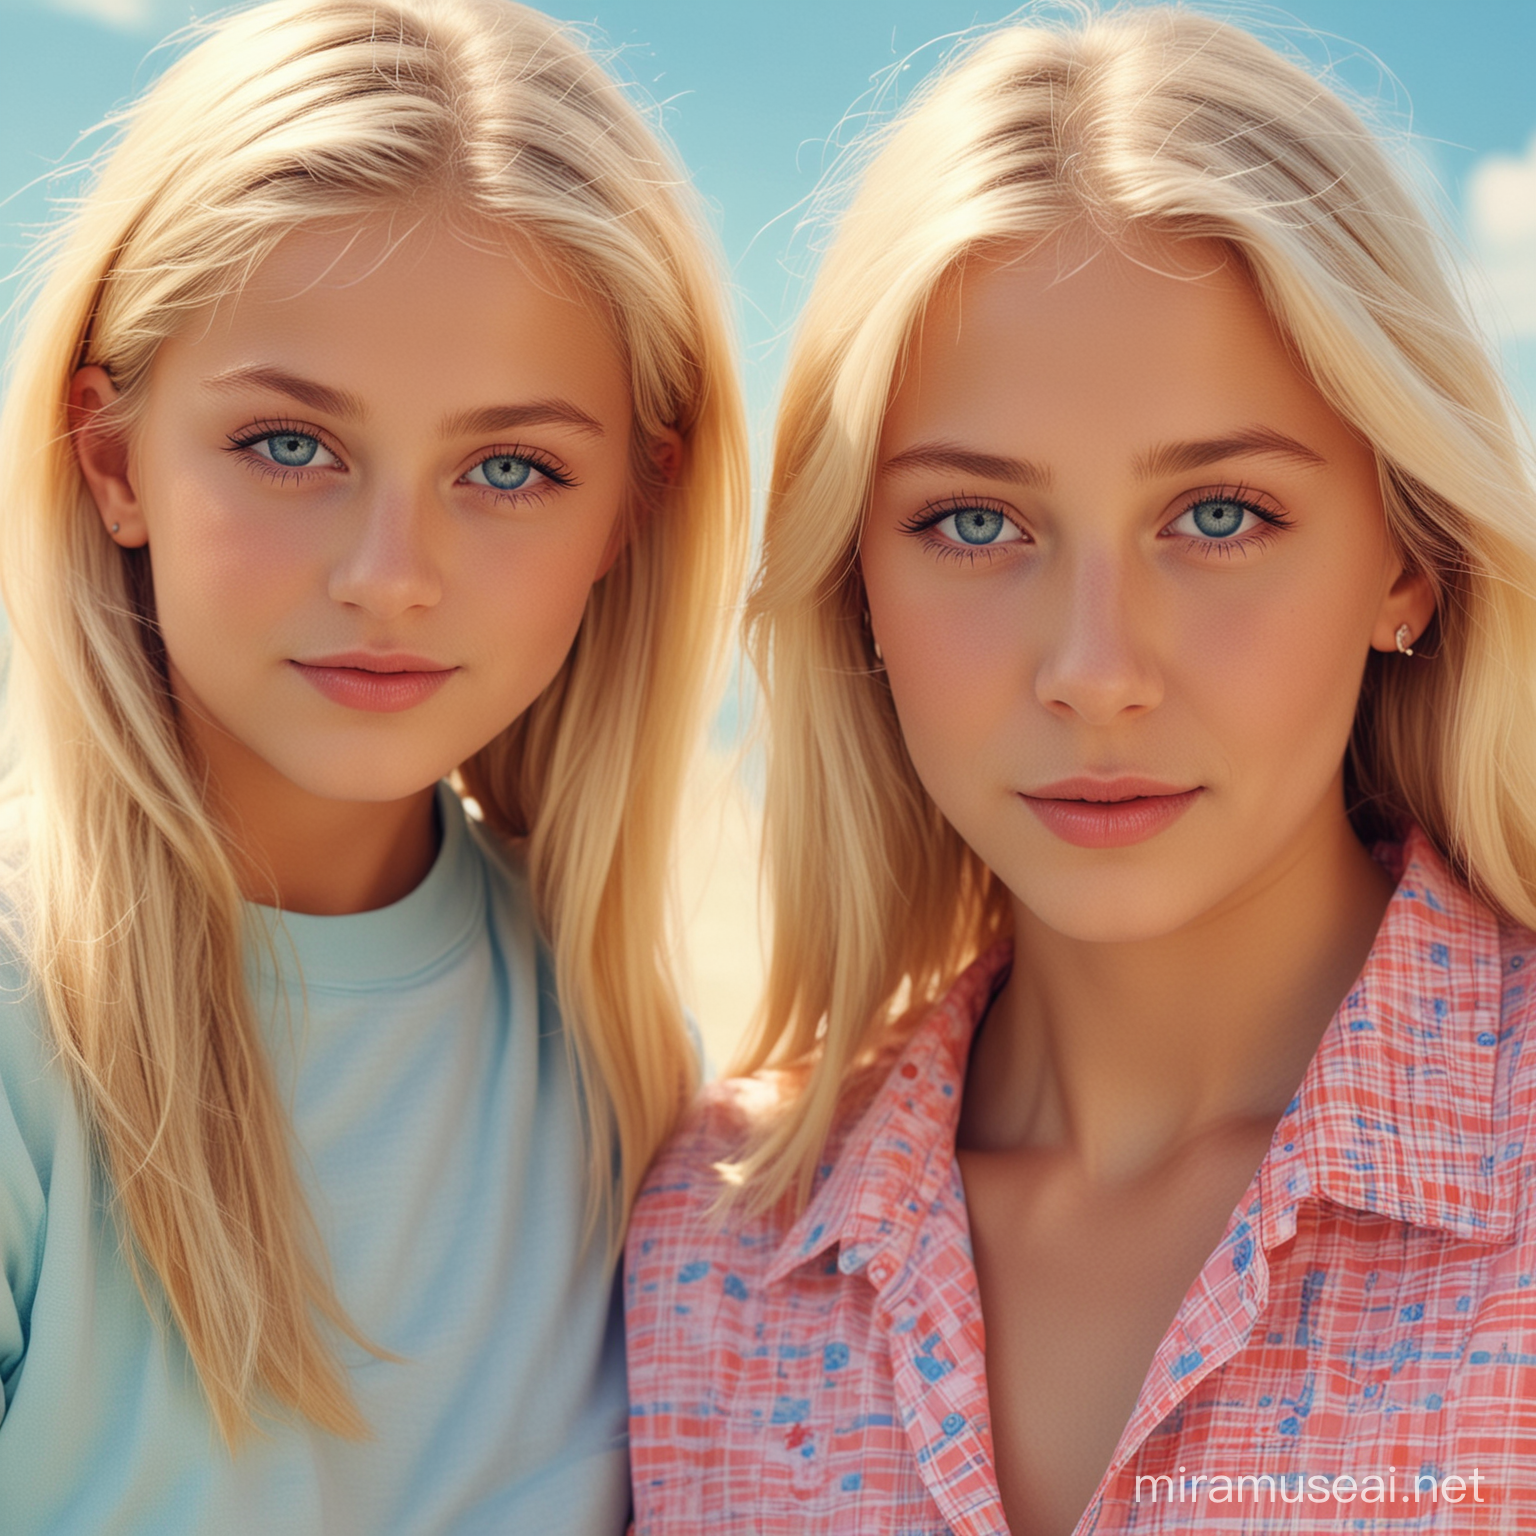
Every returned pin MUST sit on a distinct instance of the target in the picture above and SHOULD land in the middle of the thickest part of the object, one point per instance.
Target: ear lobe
(103, 456)
(1409, 601)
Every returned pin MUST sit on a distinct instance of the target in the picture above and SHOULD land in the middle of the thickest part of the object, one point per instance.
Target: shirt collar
(1398, 1111)
(882, 1178)
(1396, 1114)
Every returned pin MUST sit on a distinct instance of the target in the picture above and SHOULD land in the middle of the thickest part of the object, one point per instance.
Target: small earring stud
(116, 526)
(874, 645)
(1404, 635)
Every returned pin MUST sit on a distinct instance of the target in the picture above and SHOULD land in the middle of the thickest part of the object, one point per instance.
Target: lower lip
(1110, 823)
(383, 693)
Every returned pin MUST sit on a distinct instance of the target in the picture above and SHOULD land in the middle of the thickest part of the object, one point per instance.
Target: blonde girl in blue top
(373, 425)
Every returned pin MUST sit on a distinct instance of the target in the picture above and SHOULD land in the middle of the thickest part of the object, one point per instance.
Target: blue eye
(1218, 519)
(1221, 521)
(293, 450)
(287, 448)
(977, 526)
(503, 472)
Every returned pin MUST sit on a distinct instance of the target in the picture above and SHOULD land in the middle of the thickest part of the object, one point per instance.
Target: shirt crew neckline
(388, 945)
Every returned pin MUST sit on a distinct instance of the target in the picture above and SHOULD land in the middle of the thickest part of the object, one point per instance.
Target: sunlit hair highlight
(1144, 121)
(123, 894)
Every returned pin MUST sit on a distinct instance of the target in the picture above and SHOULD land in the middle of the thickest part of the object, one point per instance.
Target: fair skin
(375, 488)
(1116, 535)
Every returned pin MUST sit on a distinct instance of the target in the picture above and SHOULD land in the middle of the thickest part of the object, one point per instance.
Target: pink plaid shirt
(1359, 1353)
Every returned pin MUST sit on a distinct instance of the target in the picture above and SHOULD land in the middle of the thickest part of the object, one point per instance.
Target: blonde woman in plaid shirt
(1137, 1132)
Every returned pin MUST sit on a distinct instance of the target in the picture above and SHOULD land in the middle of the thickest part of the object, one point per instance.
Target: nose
(1099, 664)
(390, 562)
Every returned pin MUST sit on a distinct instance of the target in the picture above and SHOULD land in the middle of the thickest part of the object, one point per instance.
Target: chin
(372, 779)
(1108, 906)
(1102, 926)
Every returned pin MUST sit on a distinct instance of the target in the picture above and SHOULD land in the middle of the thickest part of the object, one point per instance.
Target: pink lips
(1108, 813)
(381, 682)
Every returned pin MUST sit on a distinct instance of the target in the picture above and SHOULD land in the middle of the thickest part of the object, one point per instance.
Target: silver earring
(116, 526)
(1404, 635)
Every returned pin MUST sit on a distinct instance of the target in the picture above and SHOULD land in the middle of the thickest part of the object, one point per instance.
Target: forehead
(431, 310)
(1127, 345)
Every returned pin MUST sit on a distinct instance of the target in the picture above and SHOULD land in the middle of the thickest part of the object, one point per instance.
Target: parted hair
(1159, 121)
(123, 894)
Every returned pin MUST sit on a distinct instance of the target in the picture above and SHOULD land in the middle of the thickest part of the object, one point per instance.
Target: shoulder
(1445, 949)
(684, 1206)
(504, 859)
(1517, 952)
(33, 1090)
(690, 1248)
(502, 866)
(1517, 1000)
(699, 1261)
(36, 1111)
(680, 1200)
(1494, 962)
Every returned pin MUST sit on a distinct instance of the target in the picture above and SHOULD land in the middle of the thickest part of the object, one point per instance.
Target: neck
(334, 857)
(1121, 1055)
(307, 852)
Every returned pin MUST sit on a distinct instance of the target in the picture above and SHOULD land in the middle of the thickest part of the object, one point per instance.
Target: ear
(667, 455)
(667, 462)
(103, 457)
(1410, 600)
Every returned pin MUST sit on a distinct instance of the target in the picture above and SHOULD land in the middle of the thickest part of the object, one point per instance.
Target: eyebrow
(491, 419)
(318, 397)
(338, 402)
(1168, 459)
(1250, 442)
(968, 461)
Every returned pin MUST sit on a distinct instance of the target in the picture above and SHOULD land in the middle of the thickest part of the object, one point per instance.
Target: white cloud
(122, 15)
(1501, 224)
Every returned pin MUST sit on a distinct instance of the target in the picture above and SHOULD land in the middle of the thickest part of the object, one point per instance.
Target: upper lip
(1104, 791)
(376, 661)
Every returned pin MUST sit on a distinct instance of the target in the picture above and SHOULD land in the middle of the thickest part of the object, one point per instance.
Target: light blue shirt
(440, 1143)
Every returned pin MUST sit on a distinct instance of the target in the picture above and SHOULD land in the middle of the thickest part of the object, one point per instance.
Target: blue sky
(756, 98)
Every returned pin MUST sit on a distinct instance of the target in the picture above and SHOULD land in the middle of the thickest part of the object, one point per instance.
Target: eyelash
(243, 443)
(1273, 521)
(546, 466)
(934, 512)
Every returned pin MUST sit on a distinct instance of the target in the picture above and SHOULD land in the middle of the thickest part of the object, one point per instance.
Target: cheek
(216, 564)
(530, 615)
(954, 672)
(525, 603)
(955, 660)
(1270, 670)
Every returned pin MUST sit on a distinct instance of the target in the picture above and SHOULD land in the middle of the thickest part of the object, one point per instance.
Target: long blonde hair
(1158, 120)
(128, 910)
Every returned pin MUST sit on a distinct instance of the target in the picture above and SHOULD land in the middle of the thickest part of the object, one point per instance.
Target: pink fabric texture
(1360, 1347)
